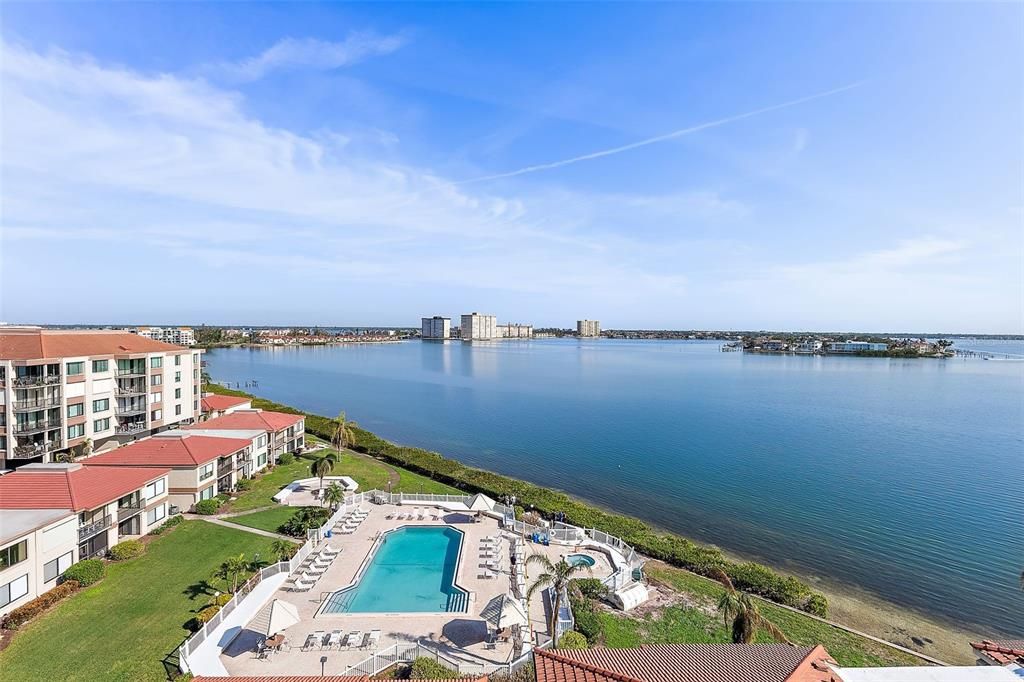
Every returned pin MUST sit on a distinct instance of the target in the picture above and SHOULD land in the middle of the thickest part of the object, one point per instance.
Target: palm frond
(543, 560)
(539, 583)
(771, 628)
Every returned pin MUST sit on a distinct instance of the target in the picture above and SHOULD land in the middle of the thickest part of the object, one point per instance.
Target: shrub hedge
(86, 572)
(304, 518)
(26, 612)
(207, 507)
(128, 549)
(673, 549)
(286, 458)
(167, 525)
(572, 640)
(429, 669)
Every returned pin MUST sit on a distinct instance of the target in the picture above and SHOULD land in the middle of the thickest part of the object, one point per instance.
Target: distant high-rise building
(179, 336)
(477, 327)
(588, 327)
(515, 331)
(436, 327)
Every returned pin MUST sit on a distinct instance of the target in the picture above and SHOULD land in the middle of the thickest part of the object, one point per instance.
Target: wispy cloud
(292, 53)
(665, 137)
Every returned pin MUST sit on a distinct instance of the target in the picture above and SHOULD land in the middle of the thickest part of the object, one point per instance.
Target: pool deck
(460, 635)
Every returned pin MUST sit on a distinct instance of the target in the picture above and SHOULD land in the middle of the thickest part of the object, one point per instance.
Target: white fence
(408, 652)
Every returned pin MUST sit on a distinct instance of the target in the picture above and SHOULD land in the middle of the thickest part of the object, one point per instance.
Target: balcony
(131, 389)
(128, 372)
(127, 512)
(36, 404)
(225, 468)
(93, 528)
(129, 429)
(30, 450)
(129, 410)
(38, 426)
(36, 380)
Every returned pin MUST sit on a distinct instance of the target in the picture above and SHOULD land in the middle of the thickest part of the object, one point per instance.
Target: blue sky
(833, 166)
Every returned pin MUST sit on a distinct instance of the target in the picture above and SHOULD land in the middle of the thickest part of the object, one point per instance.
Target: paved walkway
(238, 526)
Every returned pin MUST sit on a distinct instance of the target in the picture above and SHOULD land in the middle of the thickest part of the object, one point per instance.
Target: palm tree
(746, 617)
(323, 466)
(334, 495)
(556, 576)
(344, 435)
(231, 569)
(282, 549)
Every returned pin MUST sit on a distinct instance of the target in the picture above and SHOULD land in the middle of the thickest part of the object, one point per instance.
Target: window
(177, 410)
(177, 394)
(156, 488)
(262, 459)
(261, 441)
(100, 365)
(195, 405)
(76, 431)
(101, 425)
(195, 390)
(177, 377)
(205, 472)
(206, 494)
(52, 569)
(76, 410)
(156, 380)
(156, 362)
(156, 514)
(156, 396)
(177, 360)
(156, 415)
(195, 358)
(75, 368)
(14, 590)
(101, 405)
(14, 554)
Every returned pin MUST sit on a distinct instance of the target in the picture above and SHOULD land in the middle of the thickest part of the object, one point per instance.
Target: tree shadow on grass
(201, 588)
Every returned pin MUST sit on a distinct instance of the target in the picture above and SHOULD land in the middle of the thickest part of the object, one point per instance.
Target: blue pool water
(900, 477)
(580, 560)
(413, 571)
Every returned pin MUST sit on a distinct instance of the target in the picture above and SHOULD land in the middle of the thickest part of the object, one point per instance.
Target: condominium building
(55, 515)
(213, 405)
(179, 336)
(284, 432)
(201, 466)
(63, 389)
(477, 327)
(436, 327)
(515, 331)
(855, 346)
(588, 328)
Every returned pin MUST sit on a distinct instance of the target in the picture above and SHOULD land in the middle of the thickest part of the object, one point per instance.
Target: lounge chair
(316, 570)
(311, 640)
(372, 639)
(329, 551)
(420, 514)
(303, 583)
(434, 516)
(354, 638)
(334, 640)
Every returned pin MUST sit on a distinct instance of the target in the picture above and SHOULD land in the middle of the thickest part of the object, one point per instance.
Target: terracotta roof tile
(75, 487)
(52, 343)
(686, 663)
(1003, 651)
(169, 451)
(312, 678)
(251, 419)
(222, 402)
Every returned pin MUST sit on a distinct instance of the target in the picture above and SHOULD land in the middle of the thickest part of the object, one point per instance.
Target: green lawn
(125, 626)
(677, 624)
(268, 519)
(365, 470)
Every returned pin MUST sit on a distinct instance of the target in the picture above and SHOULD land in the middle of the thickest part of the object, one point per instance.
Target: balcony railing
(225, 469)
(36, 380)
(93, 528)
(127, 410)
(127, 512)
(36, 404)
(128, 429)
(131, 389)
(38, 426)
(30, 450)
(130, 372)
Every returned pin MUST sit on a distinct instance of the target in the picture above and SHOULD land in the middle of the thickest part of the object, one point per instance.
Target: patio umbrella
(503, 612)
(282, 615)
(481, 502)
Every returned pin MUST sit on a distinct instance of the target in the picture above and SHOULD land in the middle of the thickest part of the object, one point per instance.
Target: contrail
(661, 138)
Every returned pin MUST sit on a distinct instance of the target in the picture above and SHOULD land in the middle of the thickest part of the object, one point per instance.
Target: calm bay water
(902, 477)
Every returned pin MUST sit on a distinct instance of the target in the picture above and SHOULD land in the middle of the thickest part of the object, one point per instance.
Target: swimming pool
(412, 571)
(580, 560)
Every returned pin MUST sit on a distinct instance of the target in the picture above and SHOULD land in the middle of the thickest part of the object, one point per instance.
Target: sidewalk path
(238, 526)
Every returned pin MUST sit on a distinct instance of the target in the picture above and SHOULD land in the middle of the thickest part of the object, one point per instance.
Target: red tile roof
(1002, 651)
(222, 402)
(313, 678)
(170, 451)
(687, 663)
(72, 487)
(251, 419)
(50, 344)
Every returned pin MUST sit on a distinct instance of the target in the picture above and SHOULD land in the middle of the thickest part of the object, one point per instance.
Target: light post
(323, 664)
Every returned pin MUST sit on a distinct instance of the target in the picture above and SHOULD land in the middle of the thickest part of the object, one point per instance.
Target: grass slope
(125, 626)
(700, 622)
(268, 519)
